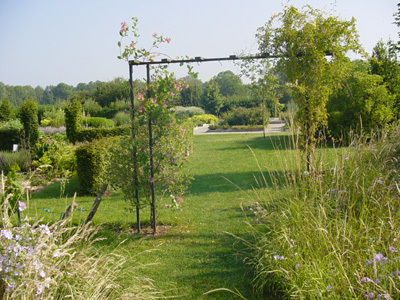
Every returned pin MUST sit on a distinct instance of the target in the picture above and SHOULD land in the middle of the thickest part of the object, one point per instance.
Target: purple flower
(393, 249)
(6, 234)
(380, 258)
(329, 288)
(366, 279)
(21, 206)
(377, 281)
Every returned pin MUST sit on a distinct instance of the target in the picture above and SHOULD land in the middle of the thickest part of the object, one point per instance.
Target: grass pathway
(196, 254)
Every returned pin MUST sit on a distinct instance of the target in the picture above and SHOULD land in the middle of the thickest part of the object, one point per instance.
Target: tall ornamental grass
(333, 233)
(38, 261)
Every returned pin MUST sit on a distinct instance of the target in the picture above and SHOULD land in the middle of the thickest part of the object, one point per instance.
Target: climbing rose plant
(171, 142)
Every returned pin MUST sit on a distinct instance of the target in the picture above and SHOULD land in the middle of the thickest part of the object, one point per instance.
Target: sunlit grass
(197, 252)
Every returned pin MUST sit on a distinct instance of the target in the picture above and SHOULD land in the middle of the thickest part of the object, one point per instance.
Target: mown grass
(197, 252)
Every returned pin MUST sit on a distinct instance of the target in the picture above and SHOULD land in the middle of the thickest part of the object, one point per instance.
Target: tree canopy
(302, 39)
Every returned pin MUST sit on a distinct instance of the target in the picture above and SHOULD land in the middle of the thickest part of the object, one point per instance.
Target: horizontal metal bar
(202, 59)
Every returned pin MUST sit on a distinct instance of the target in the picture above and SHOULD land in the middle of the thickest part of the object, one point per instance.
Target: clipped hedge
(8, 137)
(97, 122)
(91, 134)
(92, 159)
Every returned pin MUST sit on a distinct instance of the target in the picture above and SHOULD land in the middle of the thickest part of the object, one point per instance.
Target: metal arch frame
(166, 61)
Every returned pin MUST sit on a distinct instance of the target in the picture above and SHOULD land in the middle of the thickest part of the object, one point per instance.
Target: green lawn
(197, 253)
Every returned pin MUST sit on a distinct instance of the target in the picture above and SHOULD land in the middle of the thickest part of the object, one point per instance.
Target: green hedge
(91, 161)
(91, 134)
(8, 137)
(97, 122)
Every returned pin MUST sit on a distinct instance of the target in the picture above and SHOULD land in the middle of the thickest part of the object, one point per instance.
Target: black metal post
(153, 207)
(134, 150)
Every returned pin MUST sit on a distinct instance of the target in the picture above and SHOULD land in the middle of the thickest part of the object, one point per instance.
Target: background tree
(28, 115)
(6, 110)
(384, 62)
(362, 101)
(302, 40)
(211, 98)
(191, 96)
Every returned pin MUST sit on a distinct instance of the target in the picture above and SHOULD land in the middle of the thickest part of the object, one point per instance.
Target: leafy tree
(191, 96)
(211, 98)
(62, 91)
(108, 92)
(229, 84)
(28, 115)
(362, 101)
(6, 110)
(302, 41)
(384, 62)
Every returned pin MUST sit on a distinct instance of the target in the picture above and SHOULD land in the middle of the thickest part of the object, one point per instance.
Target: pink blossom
(151, 179)
(179, 88)
(140, 97)
(153, 100)
(179, 199)
(166, 206)
(141, 109)
(168, 40)
(187, 86)
(185, 79)
(172, 94)
(132, 45)
(154, 35)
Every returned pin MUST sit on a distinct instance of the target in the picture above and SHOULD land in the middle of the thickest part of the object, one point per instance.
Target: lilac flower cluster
(52, 130)
(22, 250)
(259, 212)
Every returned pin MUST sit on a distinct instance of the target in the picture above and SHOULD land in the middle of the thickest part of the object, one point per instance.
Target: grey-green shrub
(122, 118)
(185, 112)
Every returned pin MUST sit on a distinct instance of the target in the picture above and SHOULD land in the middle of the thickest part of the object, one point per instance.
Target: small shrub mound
(205, 119)
(97, 122)
(245, 116)
(333, 233)
(185, 112)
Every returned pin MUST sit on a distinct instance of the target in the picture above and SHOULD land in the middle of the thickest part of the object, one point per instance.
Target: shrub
(72, 120)
(28, 115)
(97, 122)
(205, 119)
(21, 158)
(122, 118)
(245, 116)
(54, 117)
(182, 112)
(91, 134)
(54, 152)
(92, 161)
(6, 110)
(8, 137)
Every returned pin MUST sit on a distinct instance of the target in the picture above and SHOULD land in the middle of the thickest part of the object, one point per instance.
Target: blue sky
(45, 42)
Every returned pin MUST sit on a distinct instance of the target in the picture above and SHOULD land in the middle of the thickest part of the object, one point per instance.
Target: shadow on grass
(229, 182)
(273, 142)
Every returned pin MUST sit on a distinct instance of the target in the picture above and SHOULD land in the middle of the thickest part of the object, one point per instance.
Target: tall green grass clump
(333, 233)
